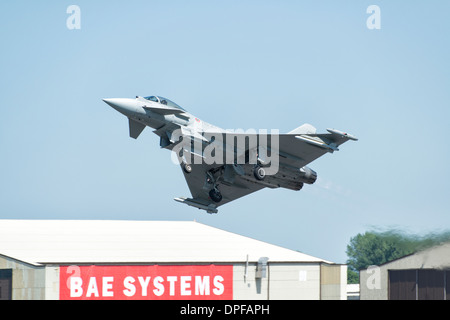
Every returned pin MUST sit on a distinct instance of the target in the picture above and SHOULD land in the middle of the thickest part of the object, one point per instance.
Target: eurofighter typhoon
(223, 165)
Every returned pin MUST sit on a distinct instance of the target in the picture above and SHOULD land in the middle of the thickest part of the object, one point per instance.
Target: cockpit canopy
(164, 101)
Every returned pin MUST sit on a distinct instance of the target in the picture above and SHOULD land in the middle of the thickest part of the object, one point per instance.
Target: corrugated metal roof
(98, 241)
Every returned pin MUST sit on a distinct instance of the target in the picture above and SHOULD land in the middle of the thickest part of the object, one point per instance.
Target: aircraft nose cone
(109, 101)
(124, 106)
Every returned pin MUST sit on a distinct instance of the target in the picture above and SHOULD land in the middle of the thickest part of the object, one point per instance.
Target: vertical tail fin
(304, 129)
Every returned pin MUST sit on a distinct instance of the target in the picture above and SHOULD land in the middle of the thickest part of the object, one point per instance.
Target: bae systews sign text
(208, 282)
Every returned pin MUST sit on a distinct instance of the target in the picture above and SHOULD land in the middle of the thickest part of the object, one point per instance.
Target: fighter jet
(223, 165)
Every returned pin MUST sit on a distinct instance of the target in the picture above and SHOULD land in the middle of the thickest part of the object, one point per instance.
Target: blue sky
(239, 65)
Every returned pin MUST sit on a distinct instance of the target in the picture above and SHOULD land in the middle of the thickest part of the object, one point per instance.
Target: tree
(375, 248)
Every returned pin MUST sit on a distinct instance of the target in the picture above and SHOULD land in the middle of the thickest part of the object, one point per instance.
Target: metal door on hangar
(6, 284)
(422, 284)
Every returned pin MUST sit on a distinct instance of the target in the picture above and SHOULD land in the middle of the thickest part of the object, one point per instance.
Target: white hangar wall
(29, 280)
(292, 281)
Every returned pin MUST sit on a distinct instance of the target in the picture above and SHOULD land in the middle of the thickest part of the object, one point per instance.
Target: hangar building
(424, 275)
(74, 259)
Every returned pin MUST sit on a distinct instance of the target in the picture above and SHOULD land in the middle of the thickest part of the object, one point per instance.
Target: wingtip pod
(342, 134)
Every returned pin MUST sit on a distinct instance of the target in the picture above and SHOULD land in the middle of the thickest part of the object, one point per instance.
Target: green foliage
(375, 248)
(352, 276)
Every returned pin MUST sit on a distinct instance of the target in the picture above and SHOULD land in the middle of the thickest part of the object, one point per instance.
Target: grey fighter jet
(223, 165)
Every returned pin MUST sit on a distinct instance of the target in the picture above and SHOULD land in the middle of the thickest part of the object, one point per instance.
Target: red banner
(210, 282)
